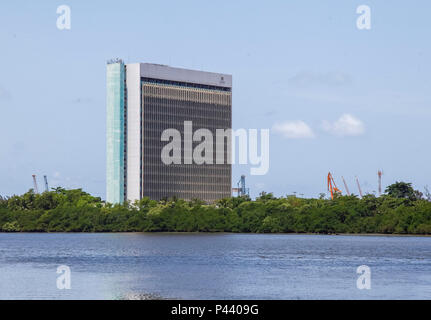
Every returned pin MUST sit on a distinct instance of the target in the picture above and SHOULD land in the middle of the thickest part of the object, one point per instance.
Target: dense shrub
(76, 211)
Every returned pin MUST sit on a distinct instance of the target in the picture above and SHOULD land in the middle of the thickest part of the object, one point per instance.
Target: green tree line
(401, 210)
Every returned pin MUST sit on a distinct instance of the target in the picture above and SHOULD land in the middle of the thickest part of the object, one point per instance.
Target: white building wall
(134, 152)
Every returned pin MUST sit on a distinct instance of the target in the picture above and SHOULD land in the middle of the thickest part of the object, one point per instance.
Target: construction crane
(359, 187)
(345, 186)
(36, 190)
(332, 187)
(46, 183)
(379, 174)
(241, 189)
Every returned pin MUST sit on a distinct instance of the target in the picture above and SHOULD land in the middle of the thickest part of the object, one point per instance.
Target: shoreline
(225, 232)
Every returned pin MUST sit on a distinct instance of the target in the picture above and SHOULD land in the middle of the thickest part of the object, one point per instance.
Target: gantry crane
(241, 189)
(46, 183)
(332, 187)
(359, 186)
(379, 174)
(36, 190)
(345, 186)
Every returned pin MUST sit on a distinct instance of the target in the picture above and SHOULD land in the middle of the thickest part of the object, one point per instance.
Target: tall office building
(145, 99)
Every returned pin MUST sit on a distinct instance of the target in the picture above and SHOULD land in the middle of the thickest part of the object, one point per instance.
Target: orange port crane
(332, 187)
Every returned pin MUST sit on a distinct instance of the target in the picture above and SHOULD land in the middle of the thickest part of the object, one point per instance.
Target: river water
(213, 266)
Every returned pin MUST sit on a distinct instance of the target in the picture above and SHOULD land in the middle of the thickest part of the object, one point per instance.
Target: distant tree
(232, 202)
(3, 202)
(263, 196)
(402, 190)
(418, 195)
(196, 202)
(59, 190)
(11, 227)
(164, 200)
(145, 203)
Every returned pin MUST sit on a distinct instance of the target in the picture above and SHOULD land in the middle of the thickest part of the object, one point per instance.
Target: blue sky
(337, 98)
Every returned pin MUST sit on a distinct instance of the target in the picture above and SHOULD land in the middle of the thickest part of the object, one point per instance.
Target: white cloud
(294, 129)
(346, 125)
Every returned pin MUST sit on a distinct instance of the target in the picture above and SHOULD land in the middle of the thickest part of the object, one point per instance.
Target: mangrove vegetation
(401, 210)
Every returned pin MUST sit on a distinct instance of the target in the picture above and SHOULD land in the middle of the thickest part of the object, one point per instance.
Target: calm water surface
(213, 266)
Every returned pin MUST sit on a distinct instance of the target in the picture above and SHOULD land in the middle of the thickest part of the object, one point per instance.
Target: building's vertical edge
(134, 151)
(125, 136)
(115, 132)
(230, 160)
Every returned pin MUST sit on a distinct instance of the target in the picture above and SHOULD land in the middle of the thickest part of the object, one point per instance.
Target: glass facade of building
(115, 128)
(167, 104)
(144, 100)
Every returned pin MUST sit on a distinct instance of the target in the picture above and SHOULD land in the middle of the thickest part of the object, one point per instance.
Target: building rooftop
(164, 72)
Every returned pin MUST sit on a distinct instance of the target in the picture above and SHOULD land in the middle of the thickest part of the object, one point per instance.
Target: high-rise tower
(115, 131)
(145, 99)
